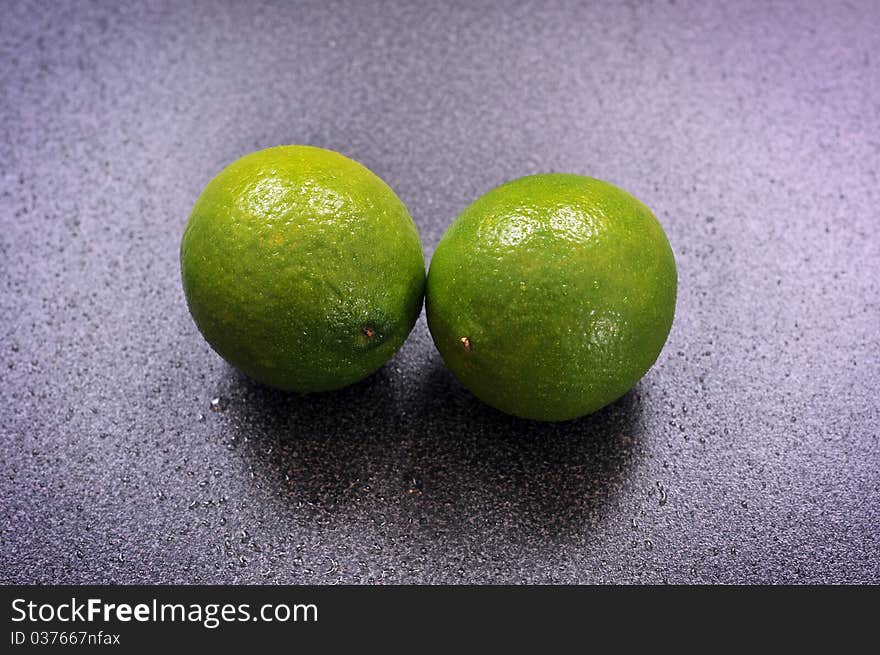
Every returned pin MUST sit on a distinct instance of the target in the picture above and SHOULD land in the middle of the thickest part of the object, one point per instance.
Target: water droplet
(215, 404)
(649, 545)
(222, 520)
(200, 417)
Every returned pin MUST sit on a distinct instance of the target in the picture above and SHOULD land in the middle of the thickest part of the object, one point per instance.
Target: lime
(552, 295)
(302, 268)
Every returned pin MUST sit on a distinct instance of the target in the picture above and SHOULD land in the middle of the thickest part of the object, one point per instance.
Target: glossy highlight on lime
(302, 268)
(552, 295)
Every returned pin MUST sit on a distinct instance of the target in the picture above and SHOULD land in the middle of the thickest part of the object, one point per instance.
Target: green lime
(302, 268)
(552, 295)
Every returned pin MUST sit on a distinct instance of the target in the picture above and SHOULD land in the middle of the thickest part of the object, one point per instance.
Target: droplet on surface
(215, 404)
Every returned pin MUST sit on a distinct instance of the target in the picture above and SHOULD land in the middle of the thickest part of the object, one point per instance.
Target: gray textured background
(749, 453)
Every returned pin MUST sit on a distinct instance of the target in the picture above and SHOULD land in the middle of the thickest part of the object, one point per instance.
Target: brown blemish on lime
(465, 343)
(368, 332)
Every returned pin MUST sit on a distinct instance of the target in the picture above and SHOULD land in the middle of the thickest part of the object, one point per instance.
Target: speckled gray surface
(749, 453)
